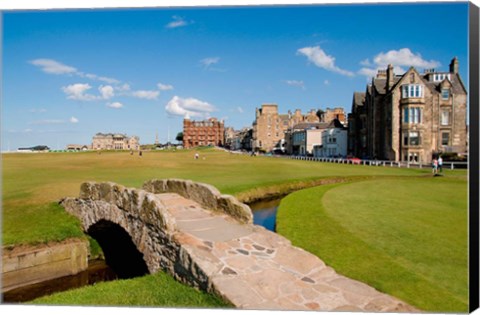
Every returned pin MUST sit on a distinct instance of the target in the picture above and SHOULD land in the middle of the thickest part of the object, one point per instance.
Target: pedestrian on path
(434, 166)
(440, 163)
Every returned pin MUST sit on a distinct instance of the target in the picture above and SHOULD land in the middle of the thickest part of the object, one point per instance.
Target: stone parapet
(206, 195)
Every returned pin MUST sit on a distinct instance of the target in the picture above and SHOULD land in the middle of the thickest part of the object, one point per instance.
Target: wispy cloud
(51, 66)
(73, 120)
(178, 21)
(320, 59)
(48, 122)
(400, 59)
(240, 110)
(149, 95)
(207, 62)
(189, 107)
(115, 105)
(164, 87)
(296, 83)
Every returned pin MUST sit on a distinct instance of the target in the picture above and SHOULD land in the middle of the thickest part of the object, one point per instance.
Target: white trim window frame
(412, 91)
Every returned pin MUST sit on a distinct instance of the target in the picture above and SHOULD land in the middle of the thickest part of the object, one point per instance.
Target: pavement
(254, 268)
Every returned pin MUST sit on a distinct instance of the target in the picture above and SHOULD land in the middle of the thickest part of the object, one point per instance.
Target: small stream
(265, 213)
(97, 271)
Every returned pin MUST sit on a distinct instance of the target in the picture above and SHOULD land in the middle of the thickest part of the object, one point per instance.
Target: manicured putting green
(406, 237)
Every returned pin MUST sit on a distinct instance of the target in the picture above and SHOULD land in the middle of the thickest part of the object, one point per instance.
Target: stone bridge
(208, 241)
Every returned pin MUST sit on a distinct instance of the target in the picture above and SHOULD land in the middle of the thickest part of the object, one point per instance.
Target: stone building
(238, 139)
(203, 133)
(269, 126)
(333, 113)
(115, 141)
(409, 117)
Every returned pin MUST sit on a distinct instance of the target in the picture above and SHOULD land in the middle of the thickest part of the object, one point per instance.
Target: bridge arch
(121, 254)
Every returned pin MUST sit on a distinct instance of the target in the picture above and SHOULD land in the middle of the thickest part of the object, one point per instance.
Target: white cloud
(77, 92)
(240, 110)
(403, 57)
(73, 120)
(165, 87)
(53, 67)
(115, 105)
(322, 60)
(106, 91)
(190, 107)
(149, 95)
(296, 83)
(123, 88)
(207, 62)
(178, 21)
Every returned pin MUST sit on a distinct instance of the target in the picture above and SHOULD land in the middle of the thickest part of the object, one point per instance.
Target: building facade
(301, 139)
(409, 117)
(203, 133)
(334, 141)
(115, 141)
(269, 126)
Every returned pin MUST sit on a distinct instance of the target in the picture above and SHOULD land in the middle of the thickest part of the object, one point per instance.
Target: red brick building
(202, 133)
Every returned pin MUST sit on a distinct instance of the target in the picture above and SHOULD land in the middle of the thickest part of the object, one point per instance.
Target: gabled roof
(304, 125)
(335, 123)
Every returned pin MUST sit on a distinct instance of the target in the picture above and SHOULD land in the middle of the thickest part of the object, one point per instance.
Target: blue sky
(68, 74)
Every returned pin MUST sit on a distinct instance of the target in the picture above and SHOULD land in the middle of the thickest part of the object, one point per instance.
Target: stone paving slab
(254, 268)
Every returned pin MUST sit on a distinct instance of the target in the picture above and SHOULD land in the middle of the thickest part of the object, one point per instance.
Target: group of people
(437, 164)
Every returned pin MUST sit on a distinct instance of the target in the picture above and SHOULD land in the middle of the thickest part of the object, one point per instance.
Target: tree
(179, 136)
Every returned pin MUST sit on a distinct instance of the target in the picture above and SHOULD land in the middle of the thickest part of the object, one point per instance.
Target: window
(445, 138)
(445, 118)
(445, 94)
(437, 77)
(411, 138)
(412, 90)
(412, 115)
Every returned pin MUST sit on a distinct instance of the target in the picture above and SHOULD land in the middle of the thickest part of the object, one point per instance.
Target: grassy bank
(159, 289)
(405, 237)
(33, 183)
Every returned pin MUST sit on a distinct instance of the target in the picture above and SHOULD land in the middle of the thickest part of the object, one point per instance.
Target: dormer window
(437, 77)
(445, 94)
(412, 90)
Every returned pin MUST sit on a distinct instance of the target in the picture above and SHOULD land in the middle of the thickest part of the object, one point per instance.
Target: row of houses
(409, 117)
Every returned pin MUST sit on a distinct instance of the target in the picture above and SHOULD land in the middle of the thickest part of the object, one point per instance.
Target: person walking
(440, 163)
(434, 166)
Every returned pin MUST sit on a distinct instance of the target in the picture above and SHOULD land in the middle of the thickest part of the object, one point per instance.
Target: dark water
(98, 271)
(265, 213)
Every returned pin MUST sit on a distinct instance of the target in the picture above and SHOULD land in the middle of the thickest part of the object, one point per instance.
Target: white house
(334, 141)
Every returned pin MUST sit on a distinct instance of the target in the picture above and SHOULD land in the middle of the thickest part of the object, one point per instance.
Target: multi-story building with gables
(115, 141)
(410, 117)
(203, 133)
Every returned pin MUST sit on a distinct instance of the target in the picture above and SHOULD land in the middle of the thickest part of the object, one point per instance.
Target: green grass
(159, 289)
(385, 248)
(32, 183)
(405, 237)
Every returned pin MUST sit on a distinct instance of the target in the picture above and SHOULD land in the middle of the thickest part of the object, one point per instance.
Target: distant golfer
(440, 163)
(196, 156)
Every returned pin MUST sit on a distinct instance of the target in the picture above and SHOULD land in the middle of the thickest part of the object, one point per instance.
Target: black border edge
(473, 157)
